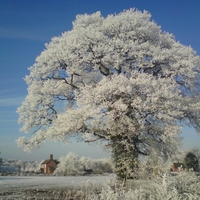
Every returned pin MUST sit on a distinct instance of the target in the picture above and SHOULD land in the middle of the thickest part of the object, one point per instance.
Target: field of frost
(180, 186)
(47, 187)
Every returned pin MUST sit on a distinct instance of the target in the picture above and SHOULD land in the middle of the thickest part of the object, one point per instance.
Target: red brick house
(49, 165)
(177, 167)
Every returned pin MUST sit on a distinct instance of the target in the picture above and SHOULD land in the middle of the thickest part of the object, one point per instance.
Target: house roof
(176, 165)
(48, 160)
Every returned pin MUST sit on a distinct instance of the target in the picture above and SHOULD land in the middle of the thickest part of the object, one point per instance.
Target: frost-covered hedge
(72, 165)
(11, 166)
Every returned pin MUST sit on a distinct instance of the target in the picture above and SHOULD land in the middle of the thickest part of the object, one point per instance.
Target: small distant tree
(119, 79)
(191, 161)
(21, 165)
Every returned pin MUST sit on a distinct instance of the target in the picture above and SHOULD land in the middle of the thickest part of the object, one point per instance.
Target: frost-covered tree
(119, 79)
(32, 166)
(191, 161)
(69, 165)
(21, 165)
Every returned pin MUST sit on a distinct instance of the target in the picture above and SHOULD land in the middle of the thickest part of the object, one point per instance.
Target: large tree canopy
(119, 79)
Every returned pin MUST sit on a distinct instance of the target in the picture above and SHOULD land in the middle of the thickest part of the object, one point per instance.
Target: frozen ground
(35, 182)
(20, 187)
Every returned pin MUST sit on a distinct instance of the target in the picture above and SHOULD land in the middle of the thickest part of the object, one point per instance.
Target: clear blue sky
(26, 25)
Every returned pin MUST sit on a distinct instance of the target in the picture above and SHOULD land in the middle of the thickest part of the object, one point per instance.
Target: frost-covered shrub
(73, 165)
(184, 186)
(118, 193)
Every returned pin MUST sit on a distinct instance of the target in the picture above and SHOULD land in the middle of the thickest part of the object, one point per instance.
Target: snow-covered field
(37, 182)
(17, 187)
(184, 186)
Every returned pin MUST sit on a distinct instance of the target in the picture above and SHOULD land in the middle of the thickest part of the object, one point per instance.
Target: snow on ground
(50, 187)
(9, 183)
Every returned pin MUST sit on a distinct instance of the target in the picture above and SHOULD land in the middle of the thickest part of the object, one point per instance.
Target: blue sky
(25, 26)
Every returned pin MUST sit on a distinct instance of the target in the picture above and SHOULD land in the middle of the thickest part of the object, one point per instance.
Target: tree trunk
(125, 157)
